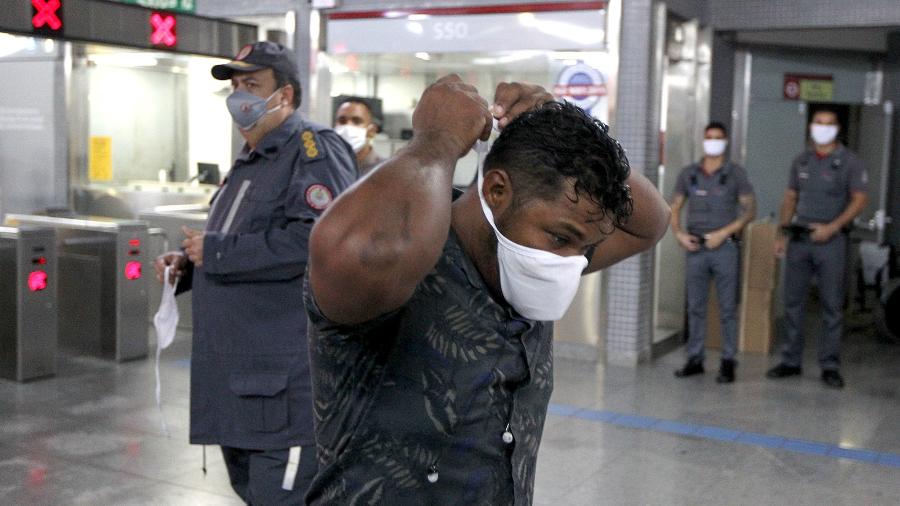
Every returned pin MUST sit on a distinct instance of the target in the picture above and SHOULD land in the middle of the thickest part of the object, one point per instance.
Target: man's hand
(176, 259)
(687, 241)
(715, 239)
(822, 232)
(193, 245)
(451, 115)
(512, 99)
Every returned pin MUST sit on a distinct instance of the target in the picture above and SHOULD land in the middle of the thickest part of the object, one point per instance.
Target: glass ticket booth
(392, 56)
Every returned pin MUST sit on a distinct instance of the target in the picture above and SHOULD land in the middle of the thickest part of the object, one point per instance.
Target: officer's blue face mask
(247, 109)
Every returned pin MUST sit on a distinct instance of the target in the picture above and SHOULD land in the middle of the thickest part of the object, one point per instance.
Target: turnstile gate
(28, 303)
(103, 305)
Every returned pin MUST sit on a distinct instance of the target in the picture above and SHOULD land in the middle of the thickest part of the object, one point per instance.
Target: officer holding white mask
(721, 203)
(827, 189)
(250, 380)
(430, 336)
(356, 123)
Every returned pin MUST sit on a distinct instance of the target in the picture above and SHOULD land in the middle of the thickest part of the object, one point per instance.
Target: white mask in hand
(166, 323)
(356, 137)
(538, 284)
(166, 318)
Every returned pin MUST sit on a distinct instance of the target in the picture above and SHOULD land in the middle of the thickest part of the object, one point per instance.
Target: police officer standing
(720, 204)
(250, 382)
(356, 123)
(826, 191)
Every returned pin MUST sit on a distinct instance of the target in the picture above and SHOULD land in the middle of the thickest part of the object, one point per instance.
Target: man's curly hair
(543, 148)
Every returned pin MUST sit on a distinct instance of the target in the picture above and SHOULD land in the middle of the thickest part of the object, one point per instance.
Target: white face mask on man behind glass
(356, 136)
(823, 134)
(714, 147)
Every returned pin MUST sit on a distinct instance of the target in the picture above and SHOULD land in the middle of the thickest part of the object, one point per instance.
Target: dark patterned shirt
(411, 408)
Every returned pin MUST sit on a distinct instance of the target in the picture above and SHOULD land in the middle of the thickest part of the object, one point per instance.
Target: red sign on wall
(46, 16)
(163, 31)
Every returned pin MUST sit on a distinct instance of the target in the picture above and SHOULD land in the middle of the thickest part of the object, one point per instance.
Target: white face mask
(356, 136)
(538, 284)
(714, 147)
(823, 134)
(166, 323)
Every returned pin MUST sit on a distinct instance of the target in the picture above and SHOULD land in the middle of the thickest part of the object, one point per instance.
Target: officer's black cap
(258, 56)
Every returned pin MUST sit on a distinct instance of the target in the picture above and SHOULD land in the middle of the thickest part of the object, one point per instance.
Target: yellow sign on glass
(100, 158)
(816, 90)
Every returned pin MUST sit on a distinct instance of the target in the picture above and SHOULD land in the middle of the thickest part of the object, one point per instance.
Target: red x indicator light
(163, 30)
(46, 15)
(37, 281)
(133, 271)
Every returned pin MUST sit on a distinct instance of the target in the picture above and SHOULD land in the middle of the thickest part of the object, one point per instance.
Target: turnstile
(28, 303)
(102, 284)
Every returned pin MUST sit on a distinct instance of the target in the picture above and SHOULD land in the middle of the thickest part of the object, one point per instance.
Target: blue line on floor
(728, 435)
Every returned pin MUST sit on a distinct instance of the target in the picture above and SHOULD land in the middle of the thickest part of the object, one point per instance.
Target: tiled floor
(92, 435)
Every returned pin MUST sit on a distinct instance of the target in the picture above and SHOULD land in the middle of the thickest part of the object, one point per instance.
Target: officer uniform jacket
(824, 186)
(250, 384)
(712, 199)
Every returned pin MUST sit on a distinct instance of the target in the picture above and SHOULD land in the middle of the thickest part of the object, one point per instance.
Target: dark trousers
(260, 477)
(827, 262)
(723, 266)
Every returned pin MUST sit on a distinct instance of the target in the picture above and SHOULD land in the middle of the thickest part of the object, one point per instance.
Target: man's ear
(497, 190)
(288, 94)
(371, 130)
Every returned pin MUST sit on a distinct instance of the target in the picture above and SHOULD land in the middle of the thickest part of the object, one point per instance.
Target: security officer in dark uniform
(720, 204)
(826, 191)
(250, 382)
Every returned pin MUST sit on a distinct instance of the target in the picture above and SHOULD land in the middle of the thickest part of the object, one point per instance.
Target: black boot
(726, 371)
(693, 366)
(783, 371)
(832, 378)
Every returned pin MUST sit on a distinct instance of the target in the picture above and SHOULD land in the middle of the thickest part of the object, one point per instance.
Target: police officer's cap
(257, 56)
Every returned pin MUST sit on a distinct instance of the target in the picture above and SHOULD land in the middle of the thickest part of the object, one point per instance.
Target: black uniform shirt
(712, 198)
(824, 185)
(250, 385)
(429, 389)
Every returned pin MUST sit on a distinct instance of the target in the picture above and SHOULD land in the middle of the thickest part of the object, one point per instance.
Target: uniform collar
(726, 167)
(838, 151)
(269, 146)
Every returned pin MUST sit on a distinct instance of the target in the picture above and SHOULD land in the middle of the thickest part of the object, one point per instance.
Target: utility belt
(701, 238)
(797, 232)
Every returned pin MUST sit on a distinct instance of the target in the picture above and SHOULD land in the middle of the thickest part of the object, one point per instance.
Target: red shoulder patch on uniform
(318, 196)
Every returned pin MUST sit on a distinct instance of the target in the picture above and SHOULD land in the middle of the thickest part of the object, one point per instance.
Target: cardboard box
(759, 265)
(756, 329)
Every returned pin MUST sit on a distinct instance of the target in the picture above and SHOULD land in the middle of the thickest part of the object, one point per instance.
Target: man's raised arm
(381, 237)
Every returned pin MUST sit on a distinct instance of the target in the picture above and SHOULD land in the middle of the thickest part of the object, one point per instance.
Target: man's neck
(467, 220)
(261, 130)
(826, 149)
(363, 153)
(712, 163)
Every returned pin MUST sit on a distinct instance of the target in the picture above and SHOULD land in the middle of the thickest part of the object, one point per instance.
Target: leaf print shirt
(411, 408)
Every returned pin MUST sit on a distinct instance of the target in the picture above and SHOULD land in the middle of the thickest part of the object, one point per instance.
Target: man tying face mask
(430, 337)
(250, 385)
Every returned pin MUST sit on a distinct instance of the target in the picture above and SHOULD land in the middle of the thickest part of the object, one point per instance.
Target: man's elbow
(662, 222)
